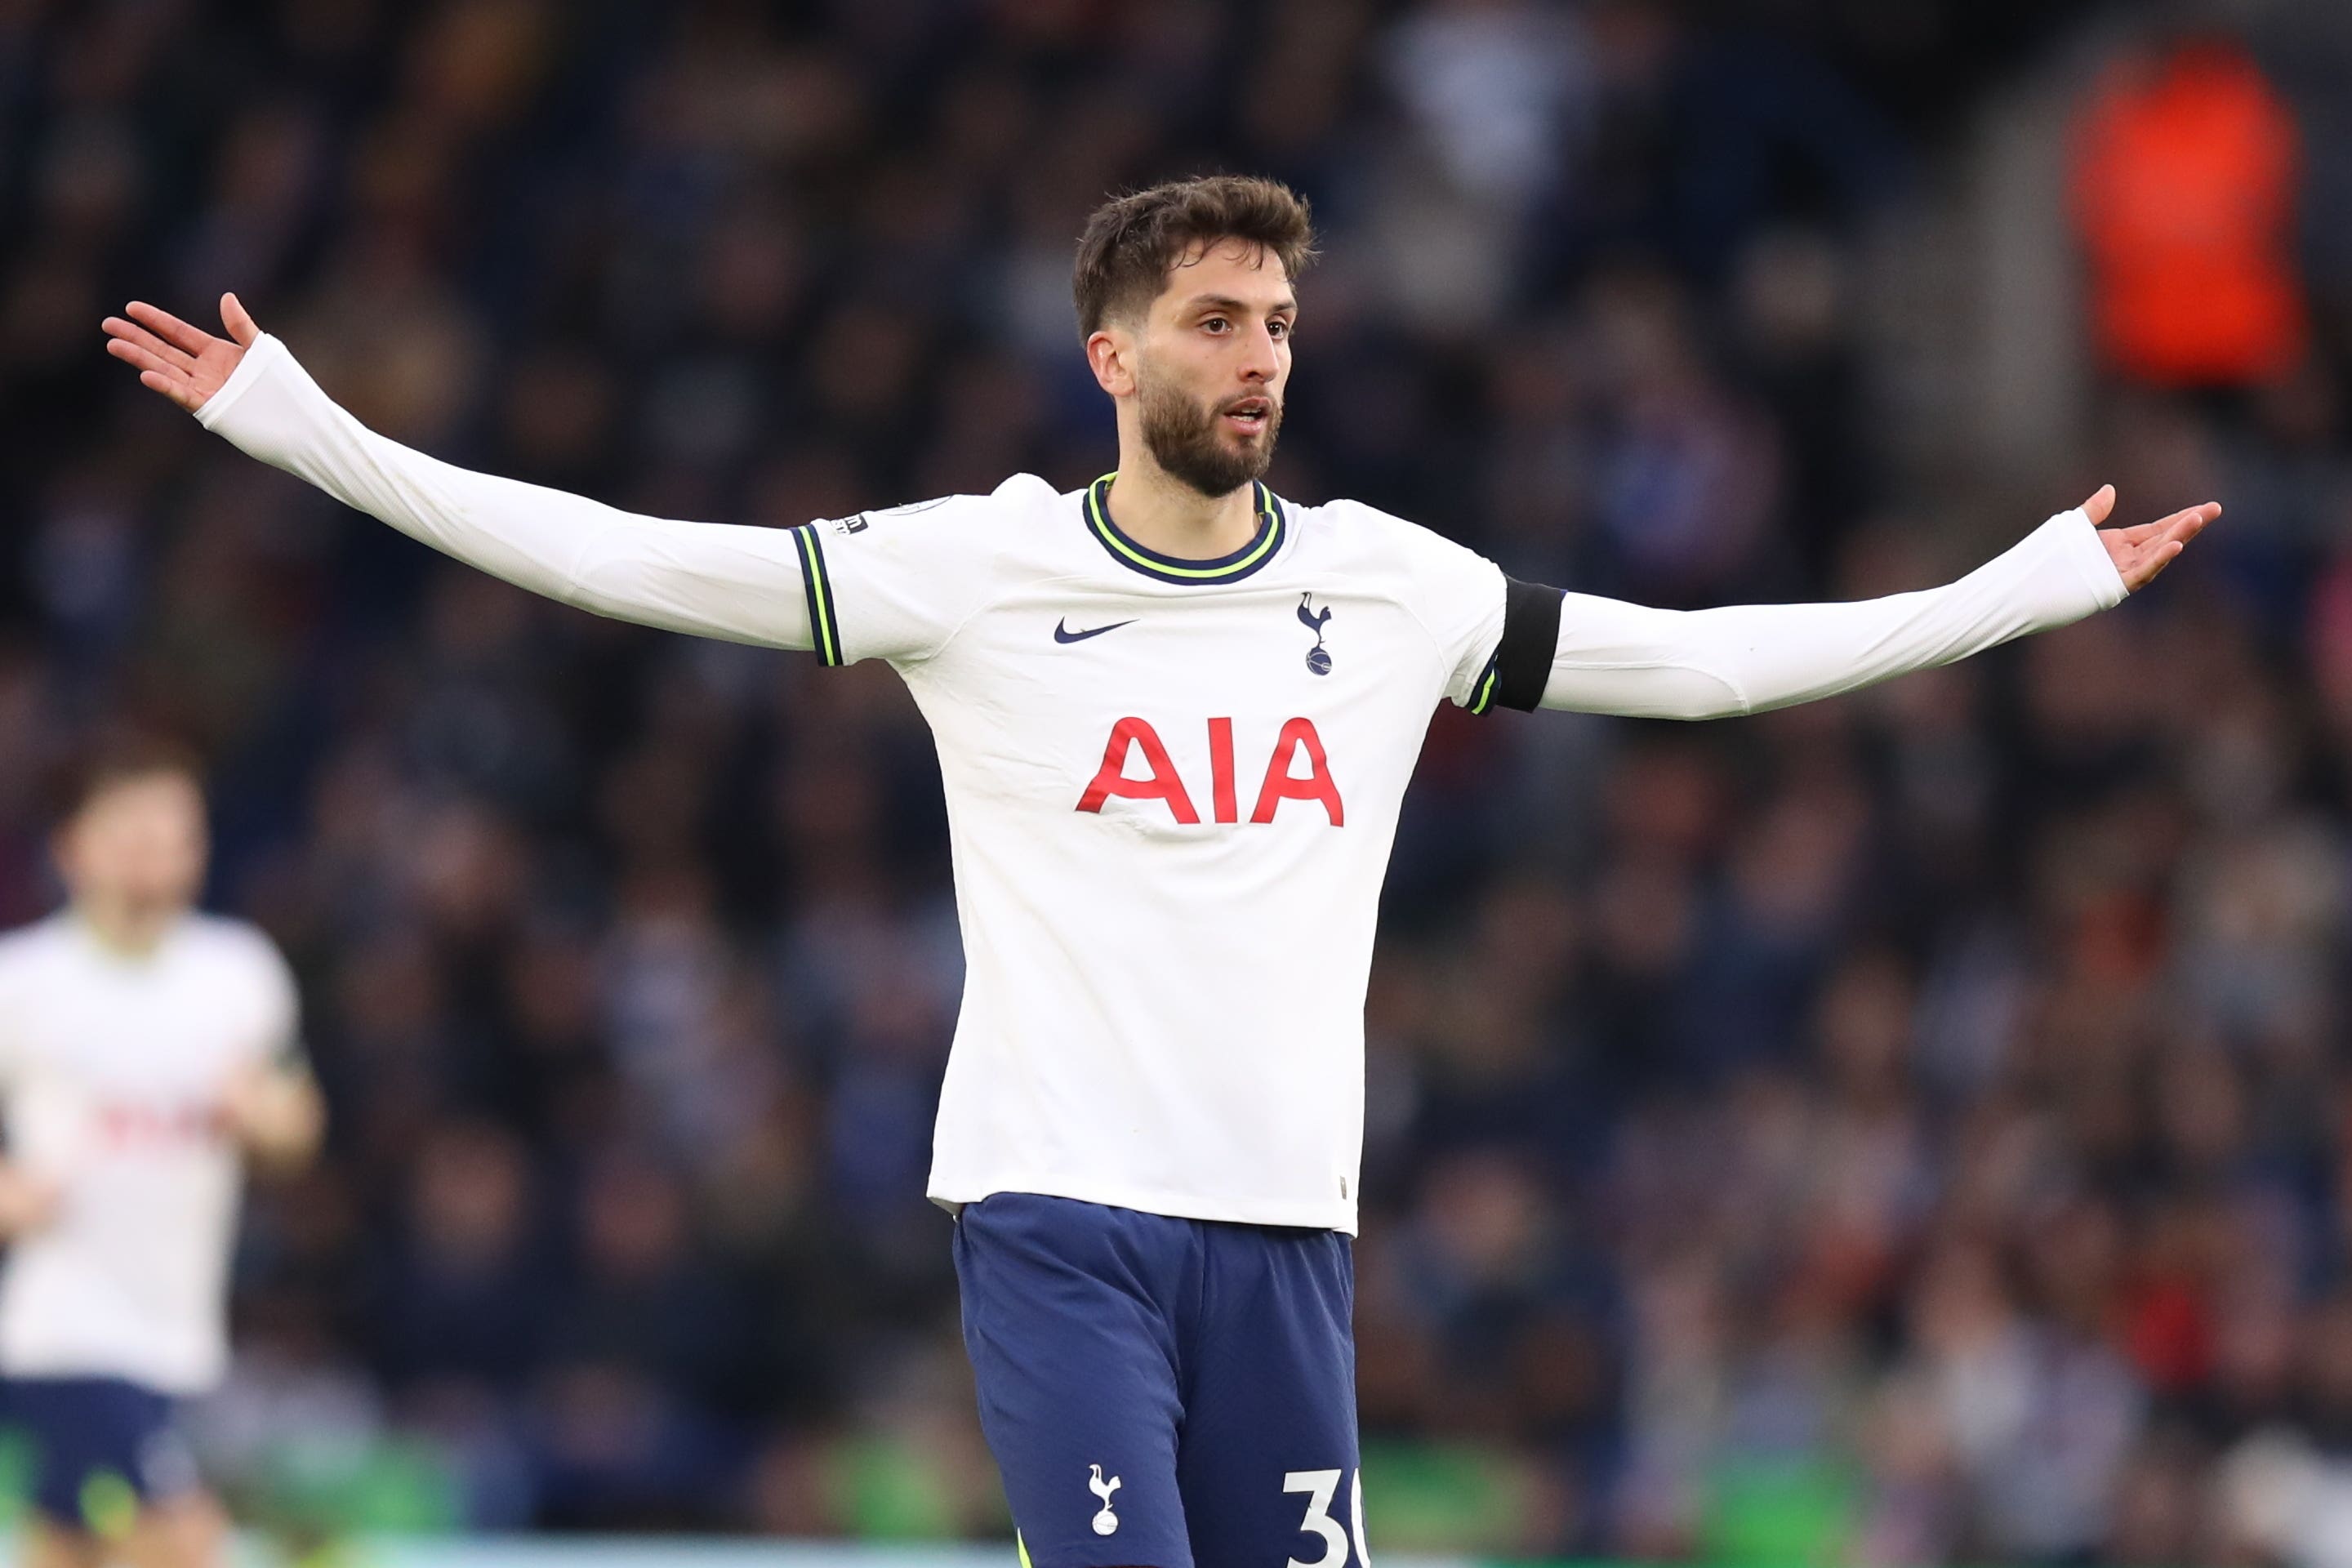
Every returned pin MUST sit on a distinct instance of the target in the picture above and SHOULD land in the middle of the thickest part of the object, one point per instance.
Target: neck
(1161, 512)
(128, 928)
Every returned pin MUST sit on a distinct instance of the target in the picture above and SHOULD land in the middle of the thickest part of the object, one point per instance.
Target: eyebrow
(1227, 302)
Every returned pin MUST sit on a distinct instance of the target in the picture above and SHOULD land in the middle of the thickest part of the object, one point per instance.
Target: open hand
(184, 363)
(2140, 552)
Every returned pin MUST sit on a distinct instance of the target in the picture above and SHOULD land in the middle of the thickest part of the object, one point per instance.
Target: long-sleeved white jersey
(1171, 784)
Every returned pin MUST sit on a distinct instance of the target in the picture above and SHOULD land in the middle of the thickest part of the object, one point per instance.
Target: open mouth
(1250, 415)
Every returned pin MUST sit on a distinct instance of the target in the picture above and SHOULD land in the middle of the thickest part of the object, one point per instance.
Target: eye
(1279, 328)
(1216, 323)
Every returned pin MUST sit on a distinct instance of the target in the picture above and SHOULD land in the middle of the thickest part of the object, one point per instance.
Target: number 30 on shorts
(1321, 1487)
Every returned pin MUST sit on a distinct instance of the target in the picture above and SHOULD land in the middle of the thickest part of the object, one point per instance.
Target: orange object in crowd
(2185, 166)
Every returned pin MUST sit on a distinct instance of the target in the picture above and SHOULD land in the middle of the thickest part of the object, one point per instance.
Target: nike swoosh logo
(1062, 633)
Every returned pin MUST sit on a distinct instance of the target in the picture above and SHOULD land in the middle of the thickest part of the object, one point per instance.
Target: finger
(178, 392)
(2149, 566)
(240, 325)
(2141, 533)
(2192, 521)
(127, 332)
(2182, 526)
(169, 327)
(156, 375)
(145, 359)
(2102, 502)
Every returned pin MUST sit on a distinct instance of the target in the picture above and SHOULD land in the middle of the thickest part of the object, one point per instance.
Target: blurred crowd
(1909, 1128)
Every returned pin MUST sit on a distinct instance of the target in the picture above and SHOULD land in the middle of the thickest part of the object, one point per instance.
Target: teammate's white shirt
(1172, 787)
(111, 1070)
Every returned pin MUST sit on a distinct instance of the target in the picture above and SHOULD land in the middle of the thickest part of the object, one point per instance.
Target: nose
(1261, 362)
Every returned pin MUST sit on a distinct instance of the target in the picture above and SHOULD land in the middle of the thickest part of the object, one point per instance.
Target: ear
(1110, 353)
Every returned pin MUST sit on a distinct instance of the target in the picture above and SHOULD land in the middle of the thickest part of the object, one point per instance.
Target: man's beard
(1186, 439)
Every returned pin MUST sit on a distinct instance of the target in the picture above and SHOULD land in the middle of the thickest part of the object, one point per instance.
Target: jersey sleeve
(896, 583)
(1458, 596)
(717, 580)
(1615, 657)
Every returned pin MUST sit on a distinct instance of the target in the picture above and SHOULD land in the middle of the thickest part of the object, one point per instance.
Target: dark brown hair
(118, 757)
(1133, 240)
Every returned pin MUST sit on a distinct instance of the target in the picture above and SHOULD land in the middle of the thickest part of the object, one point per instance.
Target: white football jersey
(112, 1069)
(1171, 790)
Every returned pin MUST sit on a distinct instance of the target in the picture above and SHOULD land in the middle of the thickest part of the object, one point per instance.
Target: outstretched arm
(1615, 657)
(710, 579)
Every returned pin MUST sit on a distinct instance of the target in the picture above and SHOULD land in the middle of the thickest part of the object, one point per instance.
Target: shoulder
(237, 947)
(1454, 595)
(957, 543)
(1350, 535)
(898, 580)
(948, 520)
(32, 947)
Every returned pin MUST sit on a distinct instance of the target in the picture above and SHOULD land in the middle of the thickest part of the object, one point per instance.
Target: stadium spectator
(2185, 167)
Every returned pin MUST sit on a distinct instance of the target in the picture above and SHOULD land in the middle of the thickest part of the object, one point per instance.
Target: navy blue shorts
(1164, 1392)
(103, 1447)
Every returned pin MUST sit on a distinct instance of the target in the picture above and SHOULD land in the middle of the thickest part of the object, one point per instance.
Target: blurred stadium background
(1907, 1129)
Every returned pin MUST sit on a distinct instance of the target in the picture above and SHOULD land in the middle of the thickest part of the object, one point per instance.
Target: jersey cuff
(825, 628)
(1515, 677)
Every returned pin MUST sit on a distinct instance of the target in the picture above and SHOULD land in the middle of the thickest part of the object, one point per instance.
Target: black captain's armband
(1516, 675)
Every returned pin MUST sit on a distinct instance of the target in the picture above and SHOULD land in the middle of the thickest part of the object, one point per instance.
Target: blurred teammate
(1175, 715)
(144, 1048)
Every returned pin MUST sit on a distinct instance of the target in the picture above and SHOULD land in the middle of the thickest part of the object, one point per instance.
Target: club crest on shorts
(1105, 1522)
(1318, 658)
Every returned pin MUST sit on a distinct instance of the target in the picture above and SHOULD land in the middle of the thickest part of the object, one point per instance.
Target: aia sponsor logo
(1133, 742)
(127, 1125)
